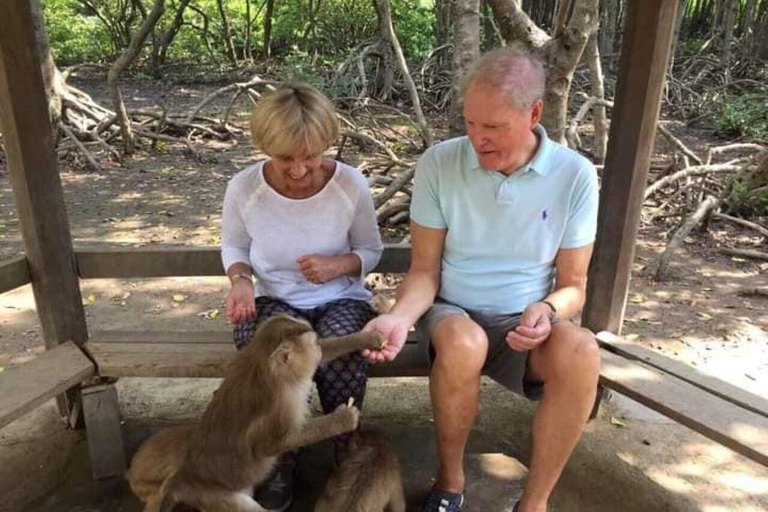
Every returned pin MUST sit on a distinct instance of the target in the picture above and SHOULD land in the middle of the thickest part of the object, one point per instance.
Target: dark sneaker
(442, 501)
(276, 493)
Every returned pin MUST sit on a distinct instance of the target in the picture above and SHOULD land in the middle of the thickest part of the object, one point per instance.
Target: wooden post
(105, 435)
(35, 180)
(642, 70)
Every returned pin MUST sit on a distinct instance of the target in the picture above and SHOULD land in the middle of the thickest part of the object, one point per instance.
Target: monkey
(368, 478)
(259, 411)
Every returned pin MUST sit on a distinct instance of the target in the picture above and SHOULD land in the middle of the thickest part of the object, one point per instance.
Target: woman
(305, 227)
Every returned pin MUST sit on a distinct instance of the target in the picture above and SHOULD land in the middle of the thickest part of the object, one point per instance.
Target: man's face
(499, 132)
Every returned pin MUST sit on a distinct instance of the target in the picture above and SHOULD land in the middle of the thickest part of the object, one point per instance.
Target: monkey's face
(292, 344)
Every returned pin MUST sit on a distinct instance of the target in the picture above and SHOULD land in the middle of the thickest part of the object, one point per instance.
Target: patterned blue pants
(341, 378)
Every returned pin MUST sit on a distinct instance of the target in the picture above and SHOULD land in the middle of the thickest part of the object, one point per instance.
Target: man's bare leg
(454, 384)
(568, 364)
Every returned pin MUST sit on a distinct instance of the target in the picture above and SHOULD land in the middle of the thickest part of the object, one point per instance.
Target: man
(503, 224)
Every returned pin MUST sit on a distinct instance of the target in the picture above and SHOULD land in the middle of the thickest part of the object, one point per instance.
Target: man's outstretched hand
(394, 329)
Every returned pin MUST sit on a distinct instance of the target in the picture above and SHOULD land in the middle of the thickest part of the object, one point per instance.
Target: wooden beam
(633, 125)
(728, 424)
(145, 355)
(13, 273)
(31, 384)
(713, 385)
(104, 431)
(169, 261)
(26, 127)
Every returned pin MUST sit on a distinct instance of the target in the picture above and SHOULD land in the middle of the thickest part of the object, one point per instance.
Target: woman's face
(297, 169)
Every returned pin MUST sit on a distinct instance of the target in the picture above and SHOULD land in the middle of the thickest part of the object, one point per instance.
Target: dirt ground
(704, 316)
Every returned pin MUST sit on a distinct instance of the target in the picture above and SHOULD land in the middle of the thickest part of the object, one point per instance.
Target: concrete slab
(495, 478)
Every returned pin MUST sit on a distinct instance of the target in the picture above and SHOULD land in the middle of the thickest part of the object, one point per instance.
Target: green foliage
(98, 30)
(414, 26)
(74, 36)
(742, 201)
(744, 114)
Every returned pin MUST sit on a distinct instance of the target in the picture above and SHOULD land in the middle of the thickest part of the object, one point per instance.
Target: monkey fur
(259, 412)
(368, 478)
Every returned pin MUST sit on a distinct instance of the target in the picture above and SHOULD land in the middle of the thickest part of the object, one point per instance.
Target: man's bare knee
(461, 341)
(570, 353)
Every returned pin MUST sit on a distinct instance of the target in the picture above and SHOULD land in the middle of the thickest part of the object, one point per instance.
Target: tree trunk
(443, 21)
(466, 50)
(52, 79)
(247, 50)
(592, 55)
(125, 59)
(385, 75)
(267, 50)
(384, 10)
(160, 54)
(730, 9)
(609, 12)
(227, 34)
(676, 34)
(561, 53)
(747, 28)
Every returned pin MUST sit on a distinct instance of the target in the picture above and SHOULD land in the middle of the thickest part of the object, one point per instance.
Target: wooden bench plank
(14, 272)
(207, 360)
(162, 337)
(178, 261)
(205, 354)
(739, 429)
(711, 384)
(31, 384)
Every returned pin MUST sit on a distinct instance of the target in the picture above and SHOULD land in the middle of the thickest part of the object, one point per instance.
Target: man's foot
(443, 501)
(276, 493)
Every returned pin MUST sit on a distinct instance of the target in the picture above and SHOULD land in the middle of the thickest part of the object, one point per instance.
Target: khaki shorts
(502, 364)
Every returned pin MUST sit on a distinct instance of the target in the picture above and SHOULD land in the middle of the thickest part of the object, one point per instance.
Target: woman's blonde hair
(294, 117)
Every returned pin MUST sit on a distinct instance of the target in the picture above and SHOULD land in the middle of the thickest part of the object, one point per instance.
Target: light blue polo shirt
(503, 232)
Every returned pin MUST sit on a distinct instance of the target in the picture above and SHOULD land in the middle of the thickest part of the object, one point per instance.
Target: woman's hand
(240, 302)
(320, 269)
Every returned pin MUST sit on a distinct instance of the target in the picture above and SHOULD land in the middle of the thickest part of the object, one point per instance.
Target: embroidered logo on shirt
(544, 214)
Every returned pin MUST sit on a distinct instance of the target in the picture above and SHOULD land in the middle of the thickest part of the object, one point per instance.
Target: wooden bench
(714, 408)
(26, 386)
(722, 412)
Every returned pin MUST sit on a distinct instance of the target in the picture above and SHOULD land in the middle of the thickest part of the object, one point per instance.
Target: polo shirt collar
(539, 163)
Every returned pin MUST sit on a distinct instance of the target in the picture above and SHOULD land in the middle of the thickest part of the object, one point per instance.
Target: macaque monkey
(367, 479)
(259, 412)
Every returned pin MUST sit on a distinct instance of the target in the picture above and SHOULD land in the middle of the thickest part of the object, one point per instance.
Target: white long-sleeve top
(269, 232)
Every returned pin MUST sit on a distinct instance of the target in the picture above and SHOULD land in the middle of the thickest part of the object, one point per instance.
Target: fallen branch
(695, 170)
(679, 144)
(743, 222)
(399, 217)
(753, 292)
(238, 86)
(393, 209)
(732, 147)
(394, 187)
(168, 138)
(658, 268)
(745, 253)
(370, 140)
(81, 147)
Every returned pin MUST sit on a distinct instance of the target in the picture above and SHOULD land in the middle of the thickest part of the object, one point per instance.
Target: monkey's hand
(342, 420)
(337, 346)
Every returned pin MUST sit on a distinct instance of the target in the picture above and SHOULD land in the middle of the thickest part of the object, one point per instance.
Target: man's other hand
(533, 330)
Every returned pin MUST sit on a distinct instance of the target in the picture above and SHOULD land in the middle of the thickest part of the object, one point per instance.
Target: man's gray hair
(515, 70)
